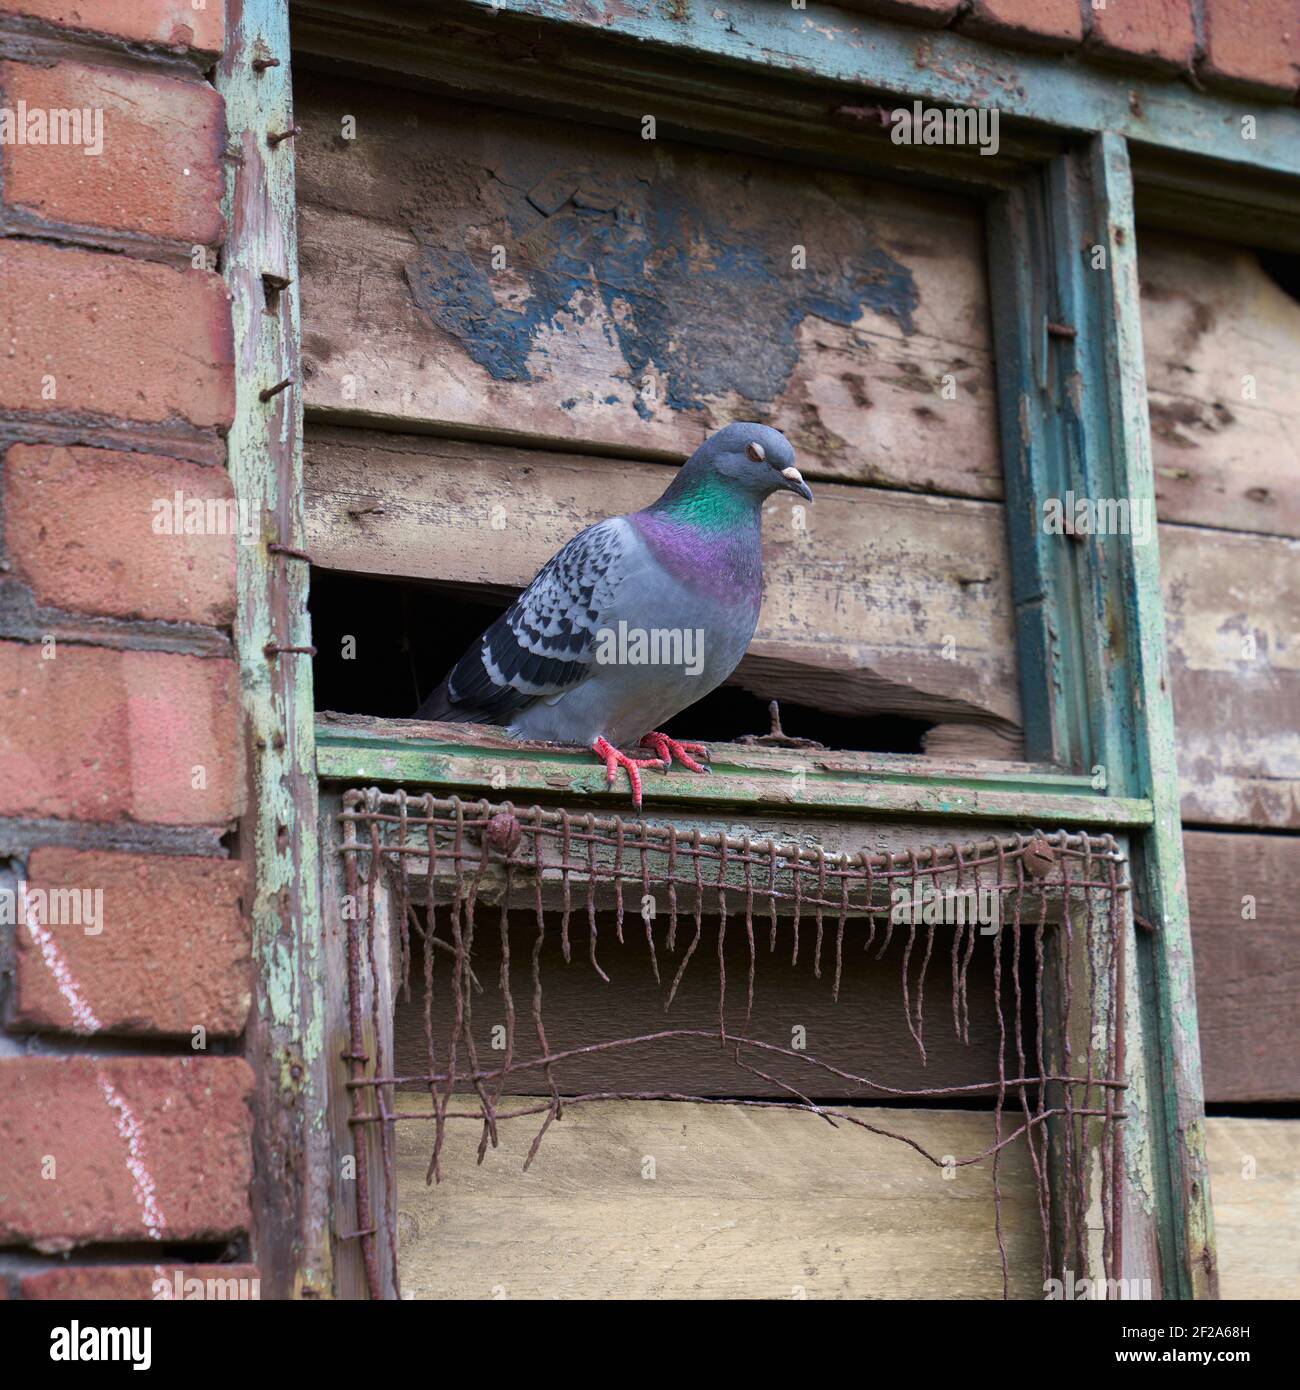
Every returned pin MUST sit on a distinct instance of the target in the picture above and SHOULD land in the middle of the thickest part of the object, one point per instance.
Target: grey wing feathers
(543, 643)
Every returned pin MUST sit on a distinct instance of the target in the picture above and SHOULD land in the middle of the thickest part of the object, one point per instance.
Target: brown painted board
(473, 269)
(1244, 892)
(677, 1200)
(1255, 1182)
(865, 1031)
(1222, 344)
(1232, 617)
(876, 601)
(862, 597)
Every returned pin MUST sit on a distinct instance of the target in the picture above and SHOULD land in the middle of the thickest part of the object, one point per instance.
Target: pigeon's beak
(795, 483)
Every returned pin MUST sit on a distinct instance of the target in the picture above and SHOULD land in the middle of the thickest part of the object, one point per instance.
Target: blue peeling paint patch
(707, 306)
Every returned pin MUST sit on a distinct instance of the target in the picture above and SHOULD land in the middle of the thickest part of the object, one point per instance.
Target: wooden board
(859, 602)
(1255, 1180)
(625, 266)
(864, 1032)
(400, 298)
(742, 1204)
(776, 786)
(1247, 967)
(1211, 316)
(864, 588)
(285, 1038)
(1235, 704)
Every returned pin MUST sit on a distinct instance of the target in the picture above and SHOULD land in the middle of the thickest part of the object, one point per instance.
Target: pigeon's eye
(756, 452)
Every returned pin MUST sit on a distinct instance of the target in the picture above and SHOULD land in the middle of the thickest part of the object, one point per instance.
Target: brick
(174, 24)
(1149, 33)
(160, 142)
(168, 948)
(121, 338)
(1253, 45)
(124, 1149)
(97, 734)
(1027, 23)
(144, 1282)
(928, 13)
(83, 532)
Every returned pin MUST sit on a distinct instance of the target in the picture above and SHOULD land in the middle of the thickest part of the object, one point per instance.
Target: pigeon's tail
(469, 695)
(439, 706)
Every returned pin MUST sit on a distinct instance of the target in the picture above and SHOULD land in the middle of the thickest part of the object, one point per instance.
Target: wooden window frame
(1073, 413)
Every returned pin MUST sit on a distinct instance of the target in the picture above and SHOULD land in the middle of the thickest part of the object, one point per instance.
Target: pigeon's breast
(722, 566)
(676, 630)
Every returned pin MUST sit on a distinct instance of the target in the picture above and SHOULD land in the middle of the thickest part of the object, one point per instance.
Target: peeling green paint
(285, 1039)
(943, 67)
(360, 750)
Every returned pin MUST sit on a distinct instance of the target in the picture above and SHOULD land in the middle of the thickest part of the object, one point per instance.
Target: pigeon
(636, 618)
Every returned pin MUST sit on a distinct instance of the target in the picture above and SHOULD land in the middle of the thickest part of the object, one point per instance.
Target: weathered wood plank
(1243, 891)
(668, 1200)
(1255, 1168)
(277, 839)
(471, 269)
(876, 602)
(865, 1031)
(471, 351)
(850, 53)
(1126, 669)
(1045, 612)
(364, 751)
(348, 1214)
(1223, 356)
(1233, 624)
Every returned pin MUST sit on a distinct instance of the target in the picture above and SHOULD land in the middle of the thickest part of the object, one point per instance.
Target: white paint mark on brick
(146, 1190)
(84, 1019)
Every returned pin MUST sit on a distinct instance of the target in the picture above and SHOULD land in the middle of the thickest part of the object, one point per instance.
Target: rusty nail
(274, 140)
(859, 114)
(261, 64)
(275, 548)
(274, 649)
(1061, 330)
(268, 392)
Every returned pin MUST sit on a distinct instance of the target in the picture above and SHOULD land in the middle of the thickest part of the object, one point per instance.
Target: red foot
(669, 749)
(614, 760)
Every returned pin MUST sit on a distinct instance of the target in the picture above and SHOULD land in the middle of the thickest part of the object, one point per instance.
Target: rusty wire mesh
(1060, 1039)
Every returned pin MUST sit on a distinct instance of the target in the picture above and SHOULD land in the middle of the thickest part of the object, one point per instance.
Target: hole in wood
(383, 645)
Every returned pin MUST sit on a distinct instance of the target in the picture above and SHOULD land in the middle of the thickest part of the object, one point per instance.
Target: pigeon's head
(755, 458)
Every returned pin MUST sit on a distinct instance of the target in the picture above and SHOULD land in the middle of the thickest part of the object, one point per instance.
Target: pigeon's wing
(544, 643)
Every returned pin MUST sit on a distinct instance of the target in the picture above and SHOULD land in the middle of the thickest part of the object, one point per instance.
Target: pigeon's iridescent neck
(711, 540)
(709, 503)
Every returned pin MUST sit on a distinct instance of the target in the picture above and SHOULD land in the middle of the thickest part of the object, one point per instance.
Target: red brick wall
(121, 739)
(1249, 46)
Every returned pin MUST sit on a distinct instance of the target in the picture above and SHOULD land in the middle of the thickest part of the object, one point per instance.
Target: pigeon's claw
(670, 750)
(614, 759)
